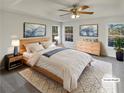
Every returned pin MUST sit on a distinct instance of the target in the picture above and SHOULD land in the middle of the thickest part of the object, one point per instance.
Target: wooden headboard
(30, 40)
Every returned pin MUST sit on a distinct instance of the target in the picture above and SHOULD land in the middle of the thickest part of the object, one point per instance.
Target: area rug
(90, 81)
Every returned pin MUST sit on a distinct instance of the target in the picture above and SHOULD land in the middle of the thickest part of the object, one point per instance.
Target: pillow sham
(28, 46)
(27, 54)
(34, 47)
(52, 45)
(47, 44)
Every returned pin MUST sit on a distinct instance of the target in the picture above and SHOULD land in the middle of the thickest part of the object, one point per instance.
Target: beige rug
(90, 81)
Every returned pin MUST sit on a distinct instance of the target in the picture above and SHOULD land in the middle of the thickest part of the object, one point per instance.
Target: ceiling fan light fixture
(77, 16)
(74, 16)
(76, 11)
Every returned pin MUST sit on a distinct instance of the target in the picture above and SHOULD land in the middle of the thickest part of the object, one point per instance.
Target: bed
(64, 66)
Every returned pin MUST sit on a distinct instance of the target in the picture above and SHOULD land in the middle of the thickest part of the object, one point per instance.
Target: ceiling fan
(76, 11)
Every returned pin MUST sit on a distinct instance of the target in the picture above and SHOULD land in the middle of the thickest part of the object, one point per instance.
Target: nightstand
(12, 61)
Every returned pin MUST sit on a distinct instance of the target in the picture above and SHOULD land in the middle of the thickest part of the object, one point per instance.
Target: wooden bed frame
(39, 69)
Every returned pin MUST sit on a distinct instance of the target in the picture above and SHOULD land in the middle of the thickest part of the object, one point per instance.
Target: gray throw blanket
(50, 53)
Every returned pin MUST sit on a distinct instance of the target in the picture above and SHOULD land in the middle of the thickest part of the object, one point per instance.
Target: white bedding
(67, 64)
(27, 55)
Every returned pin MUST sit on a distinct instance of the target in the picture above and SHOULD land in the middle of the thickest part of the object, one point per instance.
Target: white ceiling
(49, 8)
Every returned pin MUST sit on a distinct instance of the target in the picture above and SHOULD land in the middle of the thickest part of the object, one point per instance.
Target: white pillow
(52, 45)
(27, 54)
(27, 47)
(45, 44)
(34, 47)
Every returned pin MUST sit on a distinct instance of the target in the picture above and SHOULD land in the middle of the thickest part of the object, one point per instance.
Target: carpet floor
(91, 80)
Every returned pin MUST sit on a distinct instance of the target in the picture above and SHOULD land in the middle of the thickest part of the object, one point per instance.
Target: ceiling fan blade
(83, 7)
(65, 14)
(85, 12)
(64, 10)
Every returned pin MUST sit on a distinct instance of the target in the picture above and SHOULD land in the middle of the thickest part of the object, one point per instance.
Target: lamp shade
(15, 43)
(56, 37)
(75, 16)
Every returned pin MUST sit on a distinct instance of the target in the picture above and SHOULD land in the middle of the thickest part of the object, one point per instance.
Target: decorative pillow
(47, 44)
(44, 44)
(52, 45)
(28, 46)
(34, 47)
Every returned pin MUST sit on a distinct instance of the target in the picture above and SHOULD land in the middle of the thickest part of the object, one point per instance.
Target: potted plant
(119, 43)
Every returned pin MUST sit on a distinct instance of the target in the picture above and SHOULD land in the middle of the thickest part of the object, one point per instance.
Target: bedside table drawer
(18, 58)
(11, 59)
(15, 58)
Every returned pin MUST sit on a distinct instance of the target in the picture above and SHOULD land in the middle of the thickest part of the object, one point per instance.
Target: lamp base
(15, 51)
(56, 42)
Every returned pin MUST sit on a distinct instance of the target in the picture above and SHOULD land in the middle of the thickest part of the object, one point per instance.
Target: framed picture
(115, 30)
(34, 30)
(90, 30)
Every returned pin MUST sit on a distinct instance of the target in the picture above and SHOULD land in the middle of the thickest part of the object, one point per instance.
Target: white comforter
(67, 64)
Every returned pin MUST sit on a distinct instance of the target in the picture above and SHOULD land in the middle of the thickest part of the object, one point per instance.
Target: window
(69, 33)
(114, 31)
(54, 33)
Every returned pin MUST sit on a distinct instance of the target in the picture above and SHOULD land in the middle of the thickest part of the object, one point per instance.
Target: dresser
(89, 47)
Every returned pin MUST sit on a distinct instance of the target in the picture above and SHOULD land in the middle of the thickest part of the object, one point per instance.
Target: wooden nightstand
(12, 61)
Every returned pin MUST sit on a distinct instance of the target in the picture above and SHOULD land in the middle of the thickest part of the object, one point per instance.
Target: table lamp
(15, 44)
(56, 39)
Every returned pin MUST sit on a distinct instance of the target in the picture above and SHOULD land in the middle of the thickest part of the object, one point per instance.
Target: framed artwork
(90, 30)
(115, 30)
(34, 30)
